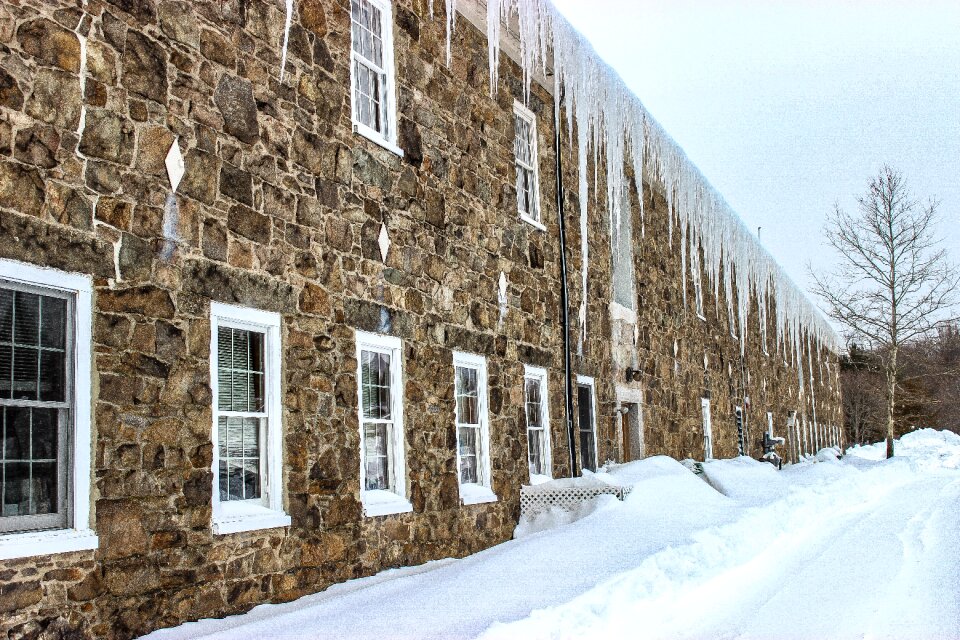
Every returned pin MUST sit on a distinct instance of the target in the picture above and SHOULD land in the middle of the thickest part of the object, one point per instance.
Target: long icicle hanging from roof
(612, 122)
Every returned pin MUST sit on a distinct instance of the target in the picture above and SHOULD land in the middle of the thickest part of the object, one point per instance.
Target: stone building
(284, 293)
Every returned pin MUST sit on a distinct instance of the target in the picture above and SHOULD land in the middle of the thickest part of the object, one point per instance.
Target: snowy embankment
(860, 547)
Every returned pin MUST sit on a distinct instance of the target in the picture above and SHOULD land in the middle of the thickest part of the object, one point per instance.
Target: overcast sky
(788, 107)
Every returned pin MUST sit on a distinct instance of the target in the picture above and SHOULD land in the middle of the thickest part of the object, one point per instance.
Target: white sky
(790, 106)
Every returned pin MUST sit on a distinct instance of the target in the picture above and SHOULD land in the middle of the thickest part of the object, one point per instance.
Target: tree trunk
(891, 397)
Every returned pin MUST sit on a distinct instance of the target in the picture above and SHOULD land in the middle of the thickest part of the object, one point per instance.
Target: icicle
(451, 23)
(502, 297)
(611, 122)
(286, 37)
(171, 221)
(82, 77)
(494, 19)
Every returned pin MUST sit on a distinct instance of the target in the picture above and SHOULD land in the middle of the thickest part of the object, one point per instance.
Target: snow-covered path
(862, 548)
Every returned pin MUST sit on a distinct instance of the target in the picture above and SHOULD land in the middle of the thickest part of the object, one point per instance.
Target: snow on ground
(860, 547)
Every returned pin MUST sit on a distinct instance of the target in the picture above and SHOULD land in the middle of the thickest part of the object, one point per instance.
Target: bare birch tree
(894, 284)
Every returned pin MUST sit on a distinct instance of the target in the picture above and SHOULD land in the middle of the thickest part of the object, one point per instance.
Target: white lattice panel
(534, 501)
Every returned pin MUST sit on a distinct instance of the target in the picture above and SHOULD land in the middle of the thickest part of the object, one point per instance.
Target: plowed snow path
(856, 549)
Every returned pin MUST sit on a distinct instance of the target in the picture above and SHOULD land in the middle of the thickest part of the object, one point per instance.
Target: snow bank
(744, 479)
(658, 483)
(848, 549)
(925, 447)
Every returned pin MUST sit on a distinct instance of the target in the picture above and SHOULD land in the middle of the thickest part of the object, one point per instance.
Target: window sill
(41, 543)
(532, 222)
(476, 494)
(239, 517)
(375, 137)
(377, 502)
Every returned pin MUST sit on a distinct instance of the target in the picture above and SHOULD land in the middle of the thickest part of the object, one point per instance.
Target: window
(538, 424)
(45, 374)
(473, 429)
(586, 423)
(528, 176)
(383, 488)
(247, 429)
(372, 72)
(707, 429)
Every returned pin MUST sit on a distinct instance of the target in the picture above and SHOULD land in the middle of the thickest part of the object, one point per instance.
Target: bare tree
(863, 396)
(894, 284)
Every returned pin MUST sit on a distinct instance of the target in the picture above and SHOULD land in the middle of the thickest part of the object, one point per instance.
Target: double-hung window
(525, 157)
(44, 411)
(372, 71)
(538, 423)
(586, 419)
(383, 488)
(247, 430)
(473, 428)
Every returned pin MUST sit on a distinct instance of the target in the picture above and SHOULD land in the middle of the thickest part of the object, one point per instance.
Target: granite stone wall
(280, 209)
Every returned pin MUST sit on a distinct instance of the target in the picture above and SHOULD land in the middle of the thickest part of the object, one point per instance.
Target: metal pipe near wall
(564, 293)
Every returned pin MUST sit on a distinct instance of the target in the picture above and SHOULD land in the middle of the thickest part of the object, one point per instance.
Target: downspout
(564, 294)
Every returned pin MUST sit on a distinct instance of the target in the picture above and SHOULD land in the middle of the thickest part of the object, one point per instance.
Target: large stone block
(50, 44)
(179, 22)
(107, 136)
(55, 99)
(145, 67)
(10, 94)
(21, 188)
(234, 99)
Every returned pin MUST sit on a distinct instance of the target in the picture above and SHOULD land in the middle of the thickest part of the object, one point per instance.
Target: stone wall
(280, 209)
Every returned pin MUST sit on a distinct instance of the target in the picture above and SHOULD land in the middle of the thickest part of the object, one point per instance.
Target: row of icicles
(610, 121)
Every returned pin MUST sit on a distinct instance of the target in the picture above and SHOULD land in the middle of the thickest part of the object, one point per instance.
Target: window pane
(251, 479)
(44, 434)
(376, 455)
(6, 371)
(52, 373)
(375, 385)
(16, 489)
(26, 318)
(587, 456)
(43, 488)
(238, 440)
(25, 363)
(585, 419)
(234, 480)
(468, 454)
(54, 327)
(16, 433)
(533, 403)
(6, 315)
(535, 444)
(240, 370)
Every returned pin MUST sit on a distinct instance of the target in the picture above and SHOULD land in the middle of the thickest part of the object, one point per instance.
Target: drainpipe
(564, 294)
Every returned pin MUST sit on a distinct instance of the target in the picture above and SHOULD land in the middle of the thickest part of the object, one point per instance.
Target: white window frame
(588, 381)
(707, 429)
(521, 111)
(381, 502)
(481, 491)
(387, 140)
(267, 512)
(79, 535)
(540, 375)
